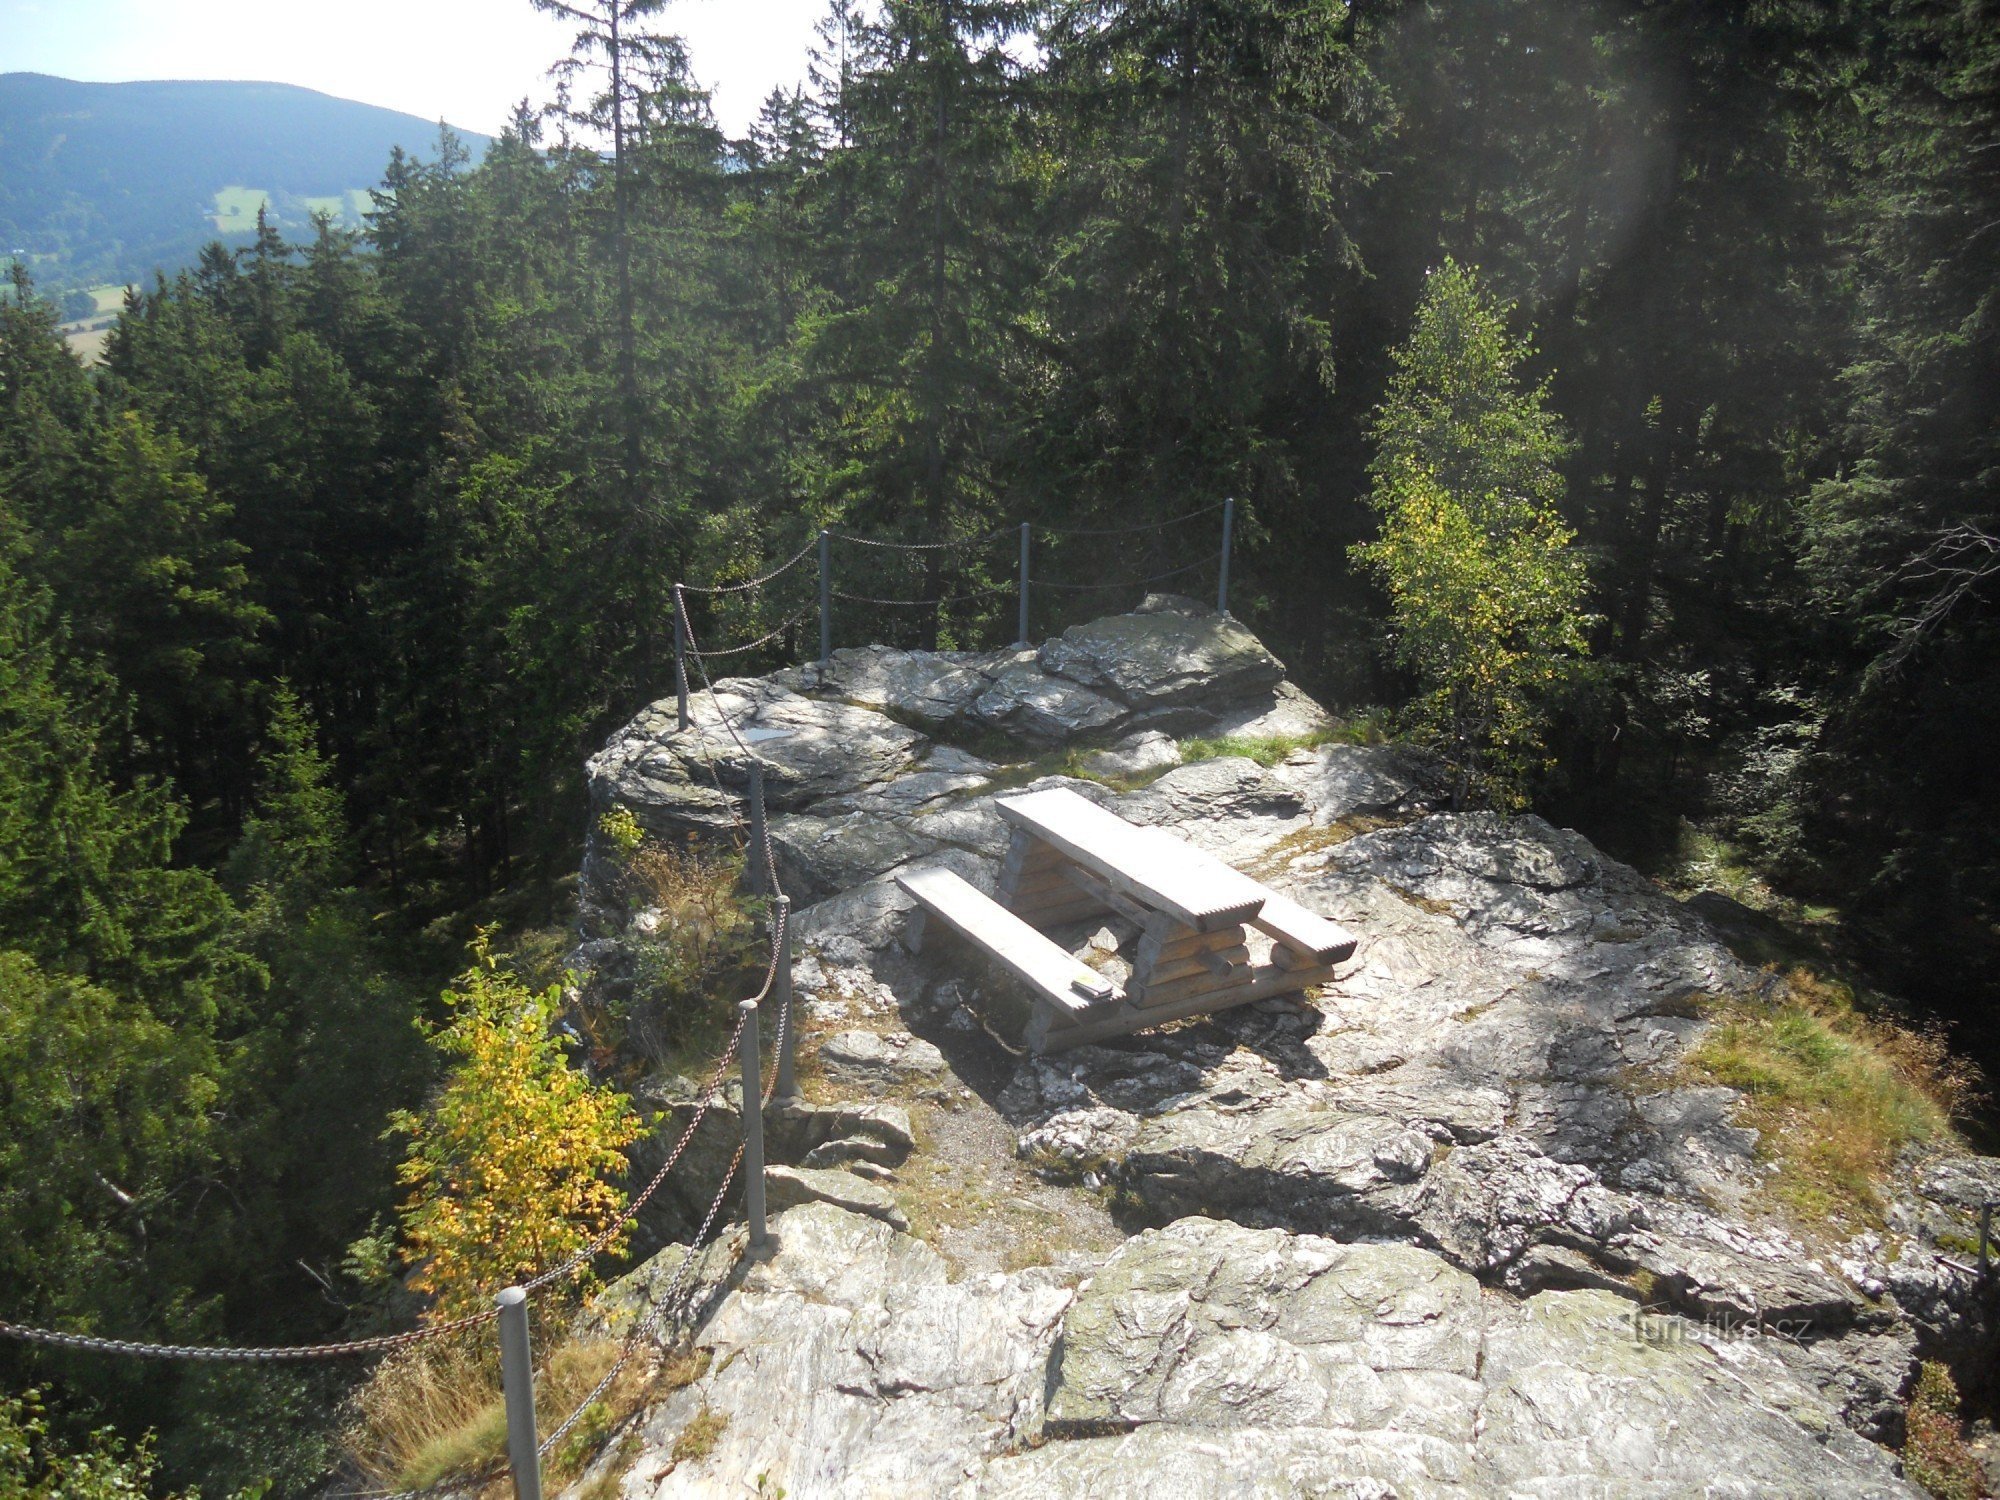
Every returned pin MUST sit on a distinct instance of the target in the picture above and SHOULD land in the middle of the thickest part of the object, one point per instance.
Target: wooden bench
(1064, 987)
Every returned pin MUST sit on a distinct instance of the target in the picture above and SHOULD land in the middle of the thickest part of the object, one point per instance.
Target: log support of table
(1110, 1021)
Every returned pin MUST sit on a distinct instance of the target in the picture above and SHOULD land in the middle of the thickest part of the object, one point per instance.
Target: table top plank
(1202, 896)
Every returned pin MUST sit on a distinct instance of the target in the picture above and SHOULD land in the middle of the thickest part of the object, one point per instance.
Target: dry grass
(437, 1411)
(1304, 842)
(1835, 1094)
(1429, 904)
(698, 1439)
(706, 953)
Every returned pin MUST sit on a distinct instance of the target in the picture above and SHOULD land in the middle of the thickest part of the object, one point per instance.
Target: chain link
(755, 583)
(643, 1329)
(969, 541)
(604, 1236)
(278, 1354)
(763, 640)
(1004, 588)
(1132, 583)
(1193, 515)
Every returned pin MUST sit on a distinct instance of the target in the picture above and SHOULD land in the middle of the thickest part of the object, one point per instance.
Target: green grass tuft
(1834, 1094)
(1268, 749)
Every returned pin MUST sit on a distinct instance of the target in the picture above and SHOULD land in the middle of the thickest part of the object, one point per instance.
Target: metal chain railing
(644, 1328)
(1023, 586)
(755, 583)
(950, 545)
(275, 1354)
(1193, 515)
(1133, 583)
(765, 639)
(919, 603)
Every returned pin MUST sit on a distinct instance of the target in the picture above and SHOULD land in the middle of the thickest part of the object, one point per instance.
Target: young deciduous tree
(507, 1166)
(1486, 593)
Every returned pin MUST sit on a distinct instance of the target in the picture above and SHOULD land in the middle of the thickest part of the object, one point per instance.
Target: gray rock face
(788, 1187)
(1043, 710)
(1208, 1359)
(848, 1365)
(872, 1057)
(928, 688)
(1164, 658)
(1484, 1093)
(1148, 750)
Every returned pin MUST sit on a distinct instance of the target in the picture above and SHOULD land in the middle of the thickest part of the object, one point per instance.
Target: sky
(466, 61)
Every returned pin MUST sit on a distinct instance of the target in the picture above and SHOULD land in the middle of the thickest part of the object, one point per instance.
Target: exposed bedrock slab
(1165, 656)
(675, 781)
(1206, 1359)
(1042, 710)
(848, 1364)
(927, 688)
(1489, 1083)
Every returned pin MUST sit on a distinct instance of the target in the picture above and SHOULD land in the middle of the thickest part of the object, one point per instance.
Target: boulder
(1163, 657)
(1135, 755)
(1041, 710)
(788, 1187)
(872, 1057)
(925, 688)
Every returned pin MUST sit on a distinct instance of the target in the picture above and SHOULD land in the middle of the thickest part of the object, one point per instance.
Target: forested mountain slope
(105, 182)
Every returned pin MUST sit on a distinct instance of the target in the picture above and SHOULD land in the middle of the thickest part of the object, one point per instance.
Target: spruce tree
(1485, 590)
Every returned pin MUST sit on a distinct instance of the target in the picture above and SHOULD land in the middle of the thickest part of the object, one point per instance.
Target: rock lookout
(1265, 1128)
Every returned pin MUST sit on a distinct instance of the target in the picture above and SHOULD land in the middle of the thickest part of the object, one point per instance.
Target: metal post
(1222, 583)
(786, 1094)
(517, 1384)
(681, 653)
(753, 1126)
(825, 596)
(760, 831)
(1021, 641)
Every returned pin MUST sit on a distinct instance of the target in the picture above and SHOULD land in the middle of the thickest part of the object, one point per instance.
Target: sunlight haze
(466, 61)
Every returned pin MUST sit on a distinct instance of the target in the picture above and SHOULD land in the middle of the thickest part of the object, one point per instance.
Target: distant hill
(104, 182)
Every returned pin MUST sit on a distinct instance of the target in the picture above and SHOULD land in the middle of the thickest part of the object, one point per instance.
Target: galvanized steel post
(786, 1093)
(680, 654)
(753, 1126)
(517, 1384)
(1222, 582)
(1021, 640)
(825, 596)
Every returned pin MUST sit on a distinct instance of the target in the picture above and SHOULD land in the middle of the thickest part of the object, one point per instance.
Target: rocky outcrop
(1206, 1358)
(1472, 1140)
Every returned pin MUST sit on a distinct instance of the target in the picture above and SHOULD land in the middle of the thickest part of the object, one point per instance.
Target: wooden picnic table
(1069, 860)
